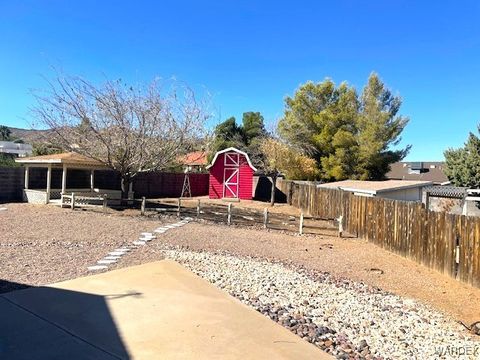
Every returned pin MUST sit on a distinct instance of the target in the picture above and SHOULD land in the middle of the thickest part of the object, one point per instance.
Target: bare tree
(129, 129)
(281, 159)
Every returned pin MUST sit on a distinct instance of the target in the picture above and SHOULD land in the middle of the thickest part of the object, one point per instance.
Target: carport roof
(374, 187)
(69, 158)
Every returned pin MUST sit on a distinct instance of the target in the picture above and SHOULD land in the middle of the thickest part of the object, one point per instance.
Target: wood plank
(405, 228)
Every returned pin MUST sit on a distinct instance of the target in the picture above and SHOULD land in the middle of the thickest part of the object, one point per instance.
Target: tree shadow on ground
(51, 323)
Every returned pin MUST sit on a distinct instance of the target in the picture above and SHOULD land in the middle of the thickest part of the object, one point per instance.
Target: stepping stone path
(117, 253)
(97, 267)
(145, 237)
(105, 262)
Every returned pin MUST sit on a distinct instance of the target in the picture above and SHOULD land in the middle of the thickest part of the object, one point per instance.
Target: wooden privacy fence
(445, 242)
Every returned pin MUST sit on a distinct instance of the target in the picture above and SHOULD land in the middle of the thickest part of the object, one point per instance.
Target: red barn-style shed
(231, 175)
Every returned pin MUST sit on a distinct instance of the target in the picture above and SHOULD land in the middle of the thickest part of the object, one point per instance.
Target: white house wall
(412, 194)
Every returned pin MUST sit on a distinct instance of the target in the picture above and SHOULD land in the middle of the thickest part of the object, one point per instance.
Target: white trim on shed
(235, 150)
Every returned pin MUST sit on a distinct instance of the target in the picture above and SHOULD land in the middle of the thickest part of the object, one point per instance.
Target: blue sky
(251, 54)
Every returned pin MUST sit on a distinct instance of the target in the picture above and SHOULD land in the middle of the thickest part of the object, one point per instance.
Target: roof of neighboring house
(447, 191)
(232, 149)
(69, 158)
(196, 158)
(431, 171)
(374, 187)
(10, 147)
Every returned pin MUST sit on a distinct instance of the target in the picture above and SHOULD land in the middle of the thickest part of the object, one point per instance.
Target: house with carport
(404, 190)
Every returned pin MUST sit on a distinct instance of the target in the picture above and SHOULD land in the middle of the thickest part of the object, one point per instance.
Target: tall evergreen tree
(463, 164)
(253, 126)
(379, 128)
(246, 137)
(227, 134)
(350, 136)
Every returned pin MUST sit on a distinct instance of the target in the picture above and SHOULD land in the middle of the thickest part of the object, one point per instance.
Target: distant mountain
(30, 136)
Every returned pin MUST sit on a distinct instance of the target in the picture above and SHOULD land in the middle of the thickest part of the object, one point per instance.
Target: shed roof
(374, 187)
(230, 149)
(69, 158)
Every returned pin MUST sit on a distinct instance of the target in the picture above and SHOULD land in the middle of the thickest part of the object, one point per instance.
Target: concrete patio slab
(158, 310)
(25, 336)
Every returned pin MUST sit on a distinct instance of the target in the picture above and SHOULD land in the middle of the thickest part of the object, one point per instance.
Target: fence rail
(231, 214)
(444, 242)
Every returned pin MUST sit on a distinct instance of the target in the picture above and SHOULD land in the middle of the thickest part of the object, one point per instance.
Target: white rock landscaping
(349, 320)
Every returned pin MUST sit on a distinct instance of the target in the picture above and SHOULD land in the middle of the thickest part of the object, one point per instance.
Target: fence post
(72, 205)
(198, 208)
(290, 193)
(265, 218)
(179, 206)
(340, 225)
(142, 207)
(104, 202)
(229, 214)
(300, 227)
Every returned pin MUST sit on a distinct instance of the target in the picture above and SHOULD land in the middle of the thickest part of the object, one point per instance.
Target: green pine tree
(463, 164)
(350, 136)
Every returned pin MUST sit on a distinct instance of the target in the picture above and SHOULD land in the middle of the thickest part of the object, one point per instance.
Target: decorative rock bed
(349, 320)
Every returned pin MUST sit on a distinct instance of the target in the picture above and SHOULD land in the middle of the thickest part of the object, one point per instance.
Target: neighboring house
(389, 189)
(194, 162)
(423, 171)
(452, 199)
(15, 149)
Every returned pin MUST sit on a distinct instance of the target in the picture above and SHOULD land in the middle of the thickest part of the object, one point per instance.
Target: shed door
(230, 182)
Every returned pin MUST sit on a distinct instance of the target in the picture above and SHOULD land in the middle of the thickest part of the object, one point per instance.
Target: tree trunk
(272, 195)
(125, 185)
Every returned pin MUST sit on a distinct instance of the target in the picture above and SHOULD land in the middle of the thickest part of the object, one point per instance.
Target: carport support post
(179, 206)
(92, 180)
(300, 227)
(49, 182)
(27, 173)
(142, 207)
(265, 218)
(198, 208)
(72, 205)
(64, 179)
(229, 214)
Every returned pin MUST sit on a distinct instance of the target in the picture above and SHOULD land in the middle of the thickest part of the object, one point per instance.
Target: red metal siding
(245, 184)
(216, 179)
(245, 181)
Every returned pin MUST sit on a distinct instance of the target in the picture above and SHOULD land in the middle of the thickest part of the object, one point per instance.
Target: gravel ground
(353, 259)
(45, 244)
(349, 320)
(322, 288)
